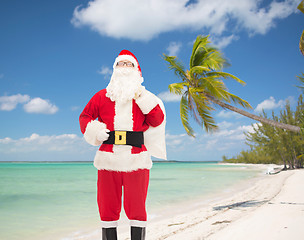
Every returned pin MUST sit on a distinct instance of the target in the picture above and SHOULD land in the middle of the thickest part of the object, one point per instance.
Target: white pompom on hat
(127, 55)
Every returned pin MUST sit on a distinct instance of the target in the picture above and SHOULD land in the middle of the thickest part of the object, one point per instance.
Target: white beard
(125, 84)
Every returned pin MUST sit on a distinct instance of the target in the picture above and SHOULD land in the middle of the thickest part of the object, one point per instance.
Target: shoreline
(222, 214)
(224, 218)
(174, 218)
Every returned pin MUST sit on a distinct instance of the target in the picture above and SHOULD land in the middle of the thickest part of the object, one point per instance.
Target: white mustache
(124, 71)
(124, 84)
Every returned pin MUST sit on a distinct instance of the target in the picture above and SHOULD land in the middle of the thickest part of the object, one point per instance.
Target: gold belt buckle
(120, 137)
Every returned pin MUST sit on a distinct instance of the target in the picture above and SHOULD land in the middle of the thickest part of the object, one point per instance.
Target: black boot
(138, 233)
(109, 233)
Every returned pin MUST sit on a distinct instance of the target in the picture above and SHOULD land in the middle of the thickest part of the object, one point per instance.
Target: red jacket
(135, 115)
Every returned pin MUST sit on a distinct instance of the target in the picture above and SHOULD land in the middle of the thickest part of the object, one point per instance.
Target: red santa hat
(127, 55)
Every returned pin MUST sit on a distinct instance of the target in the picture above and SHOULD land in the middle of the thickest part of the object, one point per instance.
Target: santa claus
(130, 128)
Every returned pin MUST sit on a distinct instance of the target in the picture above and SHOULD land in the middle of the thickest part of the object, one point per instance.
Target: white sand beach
(269, 207)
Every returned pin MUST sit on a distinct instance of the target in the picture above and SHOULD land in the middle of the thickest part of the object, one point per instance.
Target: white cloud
(8, 103)
(221, 41)
(144, 20)
(235, 133)
(38, 105)
(179, 146)
(178, 143)
(174, 48)
(233, 136)
(229, 139)
(224, 125)
(271, 103)
(228, 114)
(261, 20)
(169, 97)
(38, 143)
(211, 143)
(35, 105)
(249, 128)
(268, 104)
(6, 140)
(105, 71)
(176, 140)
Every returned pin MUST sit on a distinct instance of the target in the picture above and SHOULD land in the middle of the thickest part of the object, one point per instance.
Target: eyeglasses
(122, 63)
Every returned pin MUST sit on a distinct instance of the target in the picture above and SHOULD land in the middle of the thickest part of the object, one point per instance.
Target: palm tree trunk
(284, 160)
(255, 117)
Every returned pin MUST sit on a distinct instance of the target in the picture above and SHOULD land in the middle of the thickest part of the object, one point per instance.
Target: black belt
(135, 139)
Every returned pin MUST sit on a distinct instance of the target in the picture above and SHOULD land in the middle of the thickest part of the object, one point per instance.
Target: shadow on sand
(245, 204)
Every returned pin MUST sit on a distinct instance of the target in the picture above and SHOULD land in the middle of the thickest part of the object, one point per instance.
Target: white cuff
(136, 223)
(91, 132)
(146, 102)
(109, 224)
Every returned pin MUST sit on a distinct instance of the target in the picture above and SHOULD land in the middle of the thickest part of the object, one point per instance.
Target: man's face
(125, 64)
(125, 81)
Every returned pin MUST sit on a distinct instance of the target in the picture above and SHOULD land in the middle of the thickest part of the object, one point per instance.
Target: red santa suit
(122, 165)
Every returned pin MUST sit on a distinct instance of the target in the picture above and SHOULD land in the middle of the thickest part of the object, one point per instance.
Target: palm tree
(301, 44)
(202, 88)
(301, 8)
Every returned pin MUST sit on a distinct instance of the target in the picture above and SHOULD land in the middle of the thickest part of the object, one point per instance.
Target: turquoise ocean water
(56, 199)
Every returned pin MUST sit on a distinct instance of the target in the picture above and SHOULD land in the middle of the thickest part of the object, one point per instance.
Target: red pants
(109, 193)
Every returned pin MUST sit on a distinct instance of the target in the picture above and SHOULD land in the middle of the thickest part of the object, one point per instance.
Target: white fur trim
(92, 130)
(136, 223)
(126, 57)
(109, 224)
(122, 160)
(147, 101)
(155, 137)
(123, 119)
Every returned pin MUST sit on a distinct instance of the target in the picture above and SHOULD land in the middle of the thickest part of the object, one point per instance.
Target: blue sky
(56, 54)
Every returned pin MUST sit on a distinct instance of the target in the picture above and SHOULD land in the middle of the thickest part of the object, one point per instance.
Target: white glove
(103, 135)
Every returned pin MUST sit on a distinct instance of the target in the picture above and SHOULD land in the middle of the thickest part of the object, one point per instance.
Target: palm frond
(197, 93)
(199, 56)
(176, 66)
(193, 112)
(203, 54)
(207, 120)
(177, 88)
(202, 111)
(301, 6)
(225, 76)
(301, 80)
(214, 59)
(238, 100)
(301, 44)
(198, 50)
(194, 102)
(184, 112)
(199, 70)
(213, 87)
